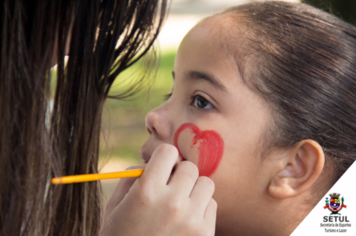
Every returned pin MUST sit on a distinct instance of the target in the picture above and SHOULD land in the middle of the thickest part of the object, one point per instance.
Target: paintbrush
(94, 177)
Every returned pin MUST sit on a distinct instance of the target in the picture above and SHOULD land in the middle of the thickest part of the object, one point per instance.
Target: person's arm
(149, 206)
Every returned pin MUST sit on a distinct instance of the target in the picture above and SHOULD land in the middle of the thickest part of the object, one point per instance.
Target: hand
(160, 204)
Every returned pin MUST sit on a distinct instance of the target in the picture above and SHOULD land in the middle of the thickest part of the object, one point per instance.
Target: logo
(334, 206)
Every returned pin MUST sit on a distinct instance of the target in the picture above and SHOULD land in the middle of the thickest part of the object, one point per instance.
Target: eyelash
(167, 96)
(193, 98)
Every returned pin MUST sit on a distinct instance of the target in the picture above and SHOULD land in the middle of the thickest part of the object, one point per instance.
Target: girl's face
(216, 122)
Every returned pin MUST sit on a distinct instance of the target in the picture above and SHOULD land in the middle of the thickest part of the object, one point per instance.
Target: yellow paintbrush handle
(94, 177)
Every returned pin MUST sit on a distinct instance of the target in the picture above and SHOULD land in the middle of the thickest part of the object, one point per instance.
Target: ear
(297, 171)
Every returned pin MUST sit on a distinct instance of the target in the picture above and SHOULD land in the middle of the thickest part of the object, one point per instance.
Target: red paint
(211, 148)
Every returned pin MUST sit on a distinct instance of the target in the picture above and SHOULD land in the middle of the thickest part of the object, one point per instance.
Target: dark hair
(105, 37)
(302, 61)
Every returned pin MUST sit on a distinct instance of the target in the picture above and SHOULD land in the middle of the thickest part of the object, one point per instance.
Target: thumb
(120, 191)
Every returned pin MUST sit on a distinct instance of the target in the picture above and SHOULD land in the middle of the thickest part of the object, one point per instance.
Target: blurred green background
(344, 9)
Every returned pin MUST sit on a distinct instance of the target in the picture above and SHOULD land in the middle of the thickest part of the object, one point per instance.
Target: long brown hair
(104, 38)
(302, 61)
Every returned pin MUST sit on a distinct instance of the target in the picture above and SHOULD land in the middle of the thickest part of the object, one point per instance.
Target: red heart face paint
(211, 147)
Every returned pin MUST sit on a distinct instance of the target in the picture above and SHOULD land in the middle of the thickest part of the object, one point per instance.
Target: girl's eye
(201, 103)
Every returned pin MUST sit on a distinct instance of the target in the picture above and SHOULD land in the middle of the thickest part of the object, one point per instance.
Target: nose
(158, 123)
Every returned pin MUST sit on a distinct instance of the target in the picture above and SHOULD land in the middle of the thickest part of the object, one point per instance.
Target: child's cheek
(183, 142)
(204, 147)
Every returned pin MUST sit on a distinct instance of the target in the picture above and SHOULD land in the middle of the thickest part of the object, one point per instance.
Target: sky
(184, 14)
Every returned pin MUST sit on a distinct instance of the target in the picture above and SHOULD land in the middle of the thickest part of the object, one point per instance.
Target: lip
(145, 157)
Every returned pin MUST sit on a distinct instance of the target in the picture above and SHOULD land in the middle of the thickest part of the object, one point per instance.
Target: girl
(264, 103)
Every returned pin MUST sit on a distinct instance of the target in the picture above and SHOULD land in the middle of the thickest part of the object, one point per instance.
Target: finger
(210, 215)
(184, 178)
(160, 166)
(121, 190)
(202, 194)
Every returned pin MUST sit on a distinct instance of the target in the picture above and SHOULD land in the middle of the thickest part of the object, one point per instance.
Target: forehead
(212, 33)
(208, 47)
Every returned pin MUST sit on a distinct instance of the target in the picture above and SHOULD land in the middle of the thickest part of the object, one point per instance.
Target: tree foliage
(345, 9)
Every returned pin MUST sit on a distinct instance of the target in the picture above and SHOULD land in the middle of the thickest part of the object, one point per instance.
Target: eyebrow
(198, 75)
